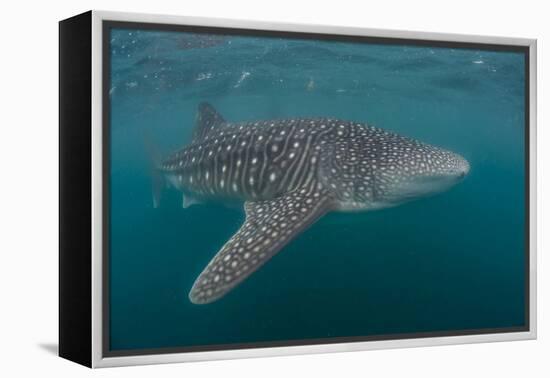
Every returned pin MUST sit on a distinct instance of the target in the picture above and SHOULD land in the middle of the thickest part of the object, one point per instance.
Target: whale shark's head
(419, 170)
(378, 169)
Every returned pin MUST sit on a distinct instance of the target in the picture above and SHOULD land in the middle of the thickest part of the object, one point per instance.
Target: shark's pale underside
(289, 173)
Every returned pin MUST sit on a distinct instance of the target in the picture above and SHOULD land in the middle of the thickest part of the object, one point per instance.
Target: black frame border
(75, 193)
(108, 25)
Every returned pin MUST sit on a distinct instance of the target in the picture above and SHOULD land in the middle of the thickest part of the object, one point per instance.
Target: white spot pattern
(266, 162)
(233, 264)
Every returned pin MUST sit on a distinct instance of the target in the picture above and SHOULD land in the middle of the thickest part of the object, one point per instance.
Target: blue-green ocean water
(452, 262)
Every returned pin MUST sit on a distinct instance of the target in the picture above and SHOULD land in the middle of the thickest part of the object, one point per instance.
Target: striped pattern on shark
(291, 172)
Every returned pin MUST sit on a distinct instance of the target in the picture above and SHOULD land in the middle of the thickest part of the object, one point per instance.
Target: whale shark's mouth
(422, 186)
(427, 185)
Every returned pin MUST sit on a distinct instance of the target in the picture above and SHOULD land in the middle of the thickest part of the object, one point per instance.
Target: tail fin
(155, 159)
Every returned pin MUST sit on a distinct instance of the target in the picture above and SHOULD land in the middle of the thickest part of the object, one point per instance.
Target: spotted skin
(269, 226)
(291, 172)
(248, 161)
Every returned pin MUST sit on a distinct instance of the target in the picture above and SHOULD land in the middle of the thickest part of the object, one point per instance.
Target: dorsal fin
(207, 120)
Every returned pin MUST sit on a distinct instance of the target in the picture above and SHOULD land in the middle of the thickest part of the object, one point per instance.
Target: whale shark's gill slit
(269, 226)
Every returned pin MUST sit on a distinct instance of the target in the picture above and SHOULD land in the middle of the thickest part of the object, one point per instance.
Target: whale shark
(288, 173)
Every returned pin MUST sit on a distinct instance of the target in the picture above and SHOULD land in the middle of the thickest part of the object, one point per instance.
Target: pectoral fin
(189, 200)
(269, 225)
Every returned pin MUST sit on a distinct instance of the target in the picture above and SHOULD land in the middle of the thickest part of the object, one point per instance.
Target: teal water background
(452, 263)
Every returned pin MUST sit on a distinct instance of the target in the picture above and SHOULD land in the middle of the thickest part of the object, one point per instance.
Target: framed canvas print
(235, 189)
